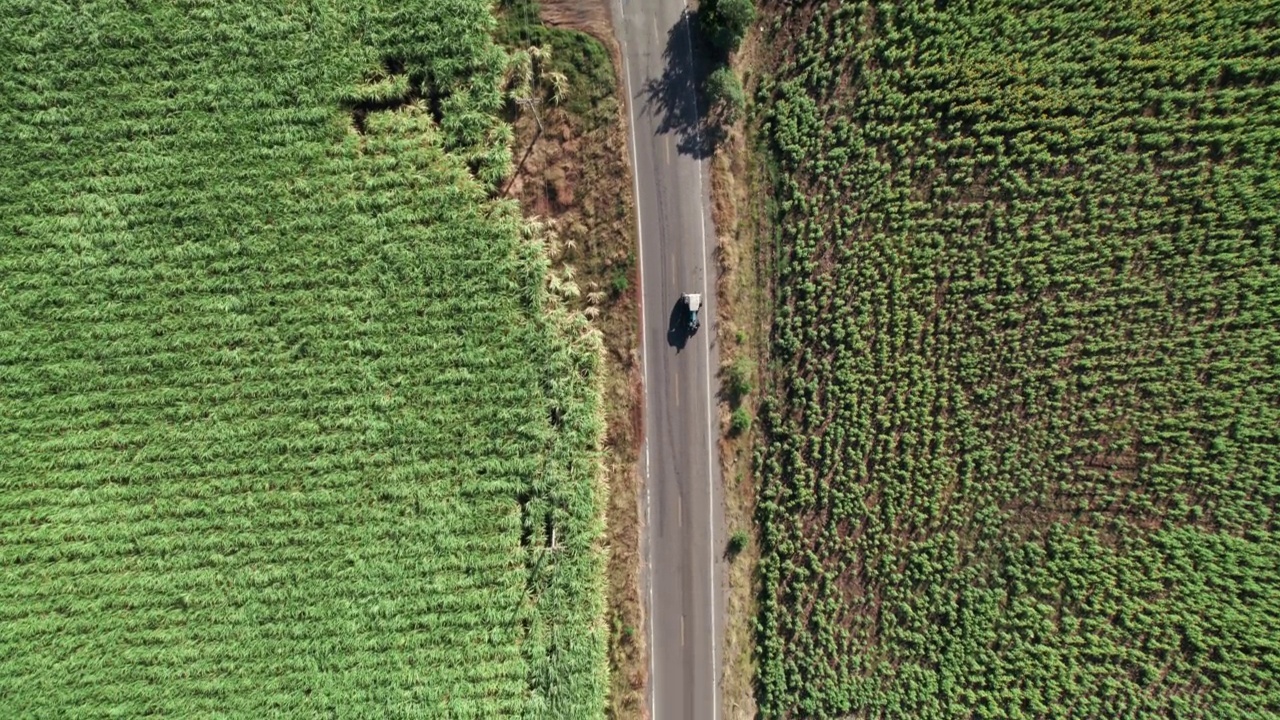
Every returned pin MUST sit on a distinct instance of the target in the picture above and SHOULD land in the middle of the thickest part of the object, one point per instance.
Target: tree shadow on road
(678, 98)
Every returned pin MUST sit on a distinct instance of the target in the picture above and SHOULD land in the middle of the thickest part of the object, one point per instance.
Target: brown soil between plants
(576, 175)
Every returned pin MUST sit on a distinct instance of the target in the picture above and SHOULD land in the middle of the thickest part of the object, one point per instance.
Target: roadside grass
(742, 205)
(297, 419)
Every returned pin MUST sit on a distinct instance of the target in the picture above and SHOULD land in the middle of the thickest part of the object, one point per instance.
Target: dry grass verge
(742, 337)
(744, 295)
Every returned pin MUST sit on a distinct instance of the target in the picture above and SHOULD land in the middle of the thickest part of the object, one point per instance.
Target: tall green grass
(290, 423)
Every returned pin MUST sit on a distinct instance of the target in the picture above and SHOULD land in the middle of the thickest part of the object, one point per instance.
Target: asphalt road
(683, 544)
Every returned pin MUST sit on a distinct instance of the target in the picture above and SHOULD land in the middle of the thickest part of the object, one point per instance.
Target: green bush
(724, 90)
(739, 421)
(737, 378)
(619, 284)
(726, 22)
(738, 542)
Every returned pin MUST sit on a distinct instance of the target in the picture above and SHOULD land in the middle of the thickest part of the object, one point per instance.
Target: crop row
(292, 424)
(1022, 433)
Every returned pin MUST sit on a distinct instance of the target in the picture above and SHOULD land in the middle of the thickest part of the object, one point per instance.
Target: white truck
(693, 301)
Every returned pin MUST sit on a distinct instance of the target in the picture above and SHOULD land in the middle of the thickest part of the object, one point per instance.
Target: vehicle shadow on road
(678, 326)
(678, 98)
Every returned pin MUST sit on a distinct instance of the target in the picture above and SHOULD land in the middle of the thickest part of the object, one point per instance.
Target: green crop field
(1023, 454)
(291, 423)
